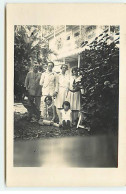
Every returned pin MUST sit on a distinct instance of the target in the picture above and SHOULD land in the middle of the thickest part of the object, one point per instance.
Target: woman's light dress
(63, 84)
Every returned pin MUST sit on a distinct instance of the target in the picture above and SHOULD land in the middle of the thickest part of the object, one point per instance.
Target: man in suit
(34, 91)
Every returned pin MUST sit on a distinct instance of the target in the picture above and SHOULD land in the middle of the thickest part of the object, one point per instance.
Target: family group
(56, 96)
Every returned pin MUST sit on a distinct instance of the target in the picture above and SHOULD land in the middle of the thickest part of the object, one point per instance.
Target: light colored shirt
(49, 83)
(66, 115)
(63, 81)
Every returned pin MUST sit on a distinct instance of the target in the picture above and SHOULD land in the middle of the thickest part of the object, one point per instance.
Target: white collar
(52, 72)
(63, 74)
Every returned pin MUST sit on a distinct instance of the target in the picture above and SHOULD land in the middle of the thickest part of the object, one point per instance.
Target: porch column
(79, 60)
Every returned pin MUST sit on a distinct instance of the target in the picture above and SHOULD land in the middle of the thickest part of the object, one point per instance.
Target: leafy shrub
(100, 80)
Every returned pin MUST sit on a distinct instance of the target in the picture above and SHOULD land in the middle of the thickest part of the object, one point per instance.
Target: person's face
(64, 69)
(35, 68)
(48, 102)
(66, 108)
(50, 66)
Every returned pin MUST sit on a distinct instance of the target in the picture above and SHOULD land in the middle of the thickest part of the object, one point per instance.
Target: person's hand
(55, 94)
(60, 124)
(52, 122)
(72, 90)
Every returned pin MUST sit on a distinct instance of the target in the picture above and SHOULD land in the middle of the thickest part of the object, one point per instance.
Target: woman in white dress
(63, 85)
(74, 95)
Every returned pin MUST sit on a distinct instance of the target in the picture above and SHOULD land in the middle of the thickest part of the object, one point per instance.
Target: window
(76, 34)
(68, 38)
(114, 29)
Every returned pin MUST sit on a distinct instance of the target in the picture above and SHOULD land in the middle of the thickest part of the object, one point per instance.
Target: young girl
(66, 116)
(50, 117)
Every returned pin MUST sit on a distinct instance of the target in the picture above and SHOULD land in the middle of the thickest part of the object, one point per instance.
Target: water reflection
(86, 151)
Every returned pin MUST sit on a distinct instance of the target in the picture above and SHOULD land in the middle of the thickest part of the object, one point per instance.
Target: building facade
(68, 41)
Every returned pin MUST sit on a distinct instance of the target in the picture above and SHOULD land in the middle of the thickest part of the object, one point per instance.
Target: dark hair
(74, 69)
(48, 97)
(40, 68)
(51, 62)
(66, 103)
(35, 64)
(64, 65)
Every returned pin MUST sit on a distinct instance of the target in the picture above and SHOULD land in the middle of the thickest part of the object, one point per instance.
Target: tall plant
(29, 45)
(100, 80)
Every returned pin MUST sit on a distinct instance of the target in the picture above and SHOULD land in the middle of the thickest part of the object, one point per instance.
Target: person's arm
(27, 81)
(54, 113)
(42, 79)
(60, 117)
(56, 84)
(71, 118)
(38, 78)
(75, 90)
(68, 88)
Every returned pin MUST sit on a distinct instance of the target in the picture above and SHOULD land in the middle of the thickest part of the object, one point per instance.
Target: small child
(50, 116)
(66, 116)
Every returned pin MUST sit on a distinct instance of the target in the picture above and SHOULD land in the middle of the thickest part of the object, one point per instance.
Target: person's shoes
(74, 123)
(33, 120)
(40, 122)
(64, 125)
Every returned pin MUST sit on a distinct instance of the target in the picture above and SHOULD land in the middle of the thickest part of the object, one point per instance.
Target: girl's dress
(63, 84)
(66, 115)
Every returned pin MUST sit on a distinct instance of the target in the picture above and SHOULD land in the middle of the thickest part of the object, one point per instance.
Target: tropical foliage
(100, 81)
(30, 45)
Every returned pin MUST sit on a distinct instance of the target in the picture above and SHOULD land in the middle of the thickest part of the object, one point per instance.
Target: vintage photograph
(66, 96)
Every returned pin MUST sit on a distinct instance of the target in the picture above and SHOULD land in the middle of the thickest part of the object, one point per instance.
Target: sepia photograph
(66, 96)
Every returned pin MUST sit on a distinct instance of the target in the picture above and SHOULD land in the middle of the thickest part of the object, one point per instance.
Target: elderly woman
(74, 94)
(63, 85)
